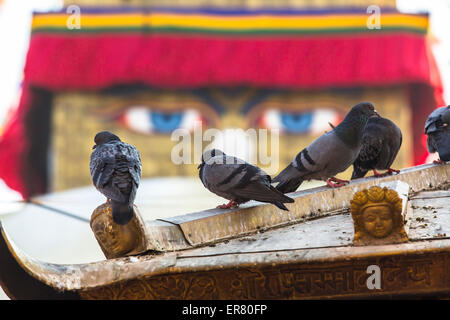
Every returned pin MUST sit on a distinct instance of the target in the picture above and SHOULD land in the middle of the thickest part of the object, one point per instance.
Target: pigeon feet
(387, 173)
(340, 183)
(439, 161)
(378, 175)
(229, 205)
(391, 171)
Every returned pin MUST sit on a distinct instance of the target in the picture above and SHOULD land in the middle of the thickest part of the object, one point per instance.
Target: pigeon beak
(199, 166)
(376, 114)
(95, 146)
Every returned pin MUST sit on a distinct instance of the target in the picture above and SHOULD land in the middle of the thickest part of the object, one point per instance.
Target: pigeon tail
(280, 205)
(358, 172)
(280, 196)
(122, 213)
(289, 179)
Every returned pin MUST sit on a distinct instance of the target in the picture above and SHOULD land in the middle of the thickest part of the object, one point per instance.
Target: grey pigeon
(238, 181)
(438, 131)
(329, 154)
(116, 171)
(381, 141)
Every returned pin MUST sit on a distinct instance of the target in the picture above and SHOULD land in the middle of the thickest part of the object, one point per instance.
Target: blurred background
(143, 69)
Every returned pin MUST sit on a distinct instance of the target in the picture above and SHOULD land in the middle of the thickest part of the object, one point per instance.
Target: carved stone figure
(377, 217)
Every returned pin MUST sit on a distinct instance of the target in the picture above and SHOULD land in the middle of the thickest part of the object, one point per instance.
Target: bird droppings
(133, 259)
(247, 239)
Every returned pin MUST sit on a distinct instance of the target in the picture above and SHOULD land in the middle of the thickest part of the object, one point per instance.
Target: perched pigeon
(331, 153)
(438, 131)
(381, 141)
(237, 180)
(116, 171)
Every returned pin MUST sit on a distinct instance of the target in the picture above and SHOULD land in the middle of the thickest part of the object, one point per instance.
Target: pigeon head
(208, 154)
(363, 111)
(350, 130)
(438, 120)
(104, 137)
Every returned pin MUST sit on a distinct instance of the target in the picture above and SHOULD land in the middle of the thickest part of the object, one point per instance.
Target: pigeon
(116, 171)
(381, 141)
(329, 154)
(438, 131)
(238, 181)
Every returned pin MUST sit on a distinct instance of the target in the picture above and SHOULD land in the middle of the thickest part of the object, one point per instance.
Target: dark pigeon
(437, 128)
(331, 153)
(381, 141)
(238, 181)
(116, 171)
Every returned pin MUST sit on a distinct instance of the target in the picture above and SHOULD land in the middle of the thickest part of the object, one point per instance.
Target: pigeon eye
(145, 120)
(301, 122)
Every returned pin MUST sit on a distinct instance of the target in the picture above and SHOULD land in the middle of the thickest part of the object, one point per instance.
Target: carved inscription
(399, 274)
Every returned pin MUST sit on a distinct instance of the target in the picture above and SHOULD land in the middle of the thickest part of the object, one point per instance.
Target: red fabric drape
(13, 145)
(59, 62)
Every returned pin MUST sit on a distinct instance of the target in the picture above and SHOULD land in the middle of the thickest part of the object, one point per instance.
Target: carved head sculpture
(116, 240)
(377, 217)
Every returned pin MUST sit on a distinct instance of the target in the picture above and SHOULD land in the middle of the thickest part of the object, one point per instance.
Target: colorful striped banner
(227, 22)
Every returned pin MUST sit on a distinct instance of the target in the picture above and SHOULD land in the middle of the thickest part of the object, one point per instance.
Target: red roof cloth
(211, 50)
(59, 62)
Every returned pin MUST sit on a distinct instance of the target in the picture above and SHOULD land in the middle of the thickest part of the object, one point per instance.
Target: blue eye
(145, 120)
(306, 122)
(166, 122)
(296, 122)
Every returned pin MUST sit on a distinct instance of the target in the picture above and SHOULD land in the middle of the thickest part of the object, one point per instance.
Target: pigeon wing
(134, 160)
(103, 167)
(372, 145)
(260, 191)
(327, 156)
(323, 158)
(224, 175)
(395, 140)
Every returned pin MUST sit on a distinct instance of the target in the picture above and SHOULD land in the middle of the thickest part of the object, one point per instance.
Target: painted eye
(145, 120)
(296, 122)
(304, 122)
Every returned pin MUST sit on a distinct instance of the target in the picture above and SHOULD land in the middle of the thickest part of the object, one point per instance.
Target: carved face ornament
(378, 220)
(377, 216)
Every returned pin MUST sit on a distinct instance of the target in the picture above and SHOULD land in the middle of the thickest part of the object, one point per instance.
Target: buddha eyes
(148, 120)
(302, 122)
(145, 120)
